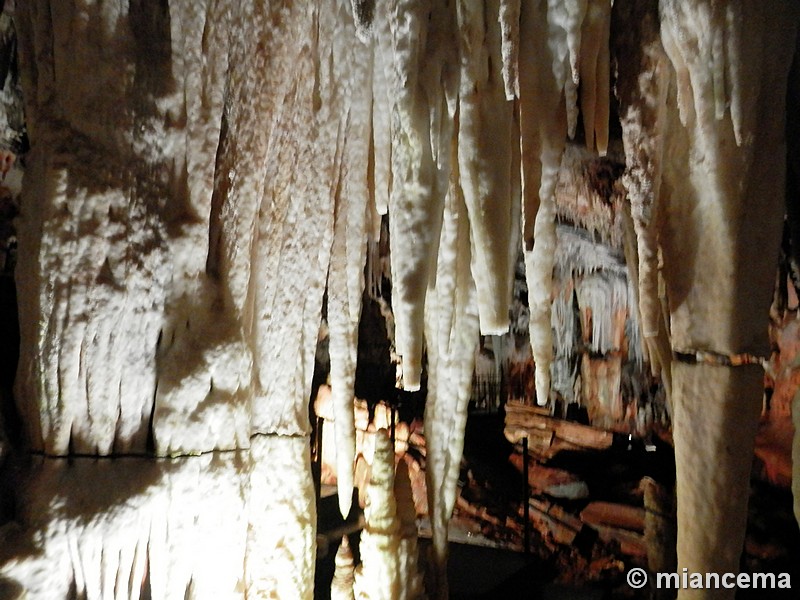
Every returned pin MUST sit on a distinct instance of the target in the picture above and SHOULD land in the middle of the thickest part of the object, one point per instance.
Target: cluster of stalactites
(471, 106)
(439, 101)
(593, 290)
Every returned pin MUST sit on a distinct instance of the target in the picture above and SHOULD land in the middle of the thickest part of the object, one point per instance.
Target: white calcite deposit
(202, 172)
(220, 525)
(378, 575)
(343, 575)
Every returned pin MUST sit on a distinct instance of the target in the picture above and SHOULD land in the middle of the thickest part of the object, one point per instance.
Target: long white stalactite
(484, 155)
(595, 74)
(452, 328)
(416, 198)
(508, 16)
(348, 254)
(382, 100)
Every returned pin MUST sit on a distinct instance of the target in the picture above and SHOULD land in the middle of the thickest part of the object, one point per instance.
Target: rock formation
(201, 173)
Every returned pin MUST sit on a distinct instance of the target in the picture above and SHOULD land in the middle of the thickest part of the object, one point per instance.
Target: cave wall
(163, 148)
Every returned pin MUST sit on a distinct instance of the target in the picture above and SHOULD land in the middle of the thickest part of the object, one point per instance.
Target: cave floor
(479, 572)
(485, 562)
(483, 573)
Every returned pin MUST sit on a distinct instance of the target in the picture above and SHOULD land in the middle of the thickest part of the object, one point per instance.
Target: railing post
(316, 459)
(526, 506)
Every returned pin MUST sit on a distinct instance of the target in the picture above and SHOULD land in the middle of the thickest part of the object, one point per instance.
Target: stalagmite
(378, 576)
(726, 179)
(411, 585)
(451, 331)
(343, 576)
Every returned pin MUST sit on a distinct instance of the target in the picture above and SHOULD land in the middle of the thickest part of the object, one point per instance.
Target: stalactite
(601, 297)
(509, 48)
(348, 253)
(548, 110)
(451, 326)
(382, 100)
(192, 230)
(565, 23)
(544, 76)
(595, 76)
(592, 280)
(415, 203)
(72, 268)
(484, 154)
(720, 180)
(363, 14)
(296, 187)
